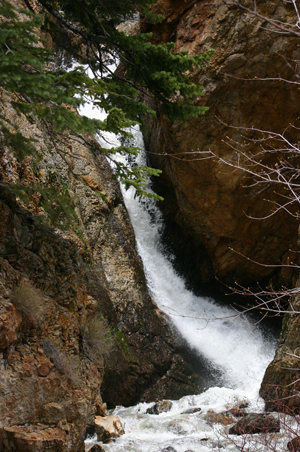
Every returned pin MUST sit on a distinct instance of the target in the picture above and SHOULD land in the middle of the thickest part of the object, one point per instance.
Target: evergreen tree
(86, 29)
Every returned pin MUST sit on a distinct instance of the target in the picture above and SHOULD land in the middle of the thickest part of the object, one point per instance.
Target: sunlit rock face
(209, 206)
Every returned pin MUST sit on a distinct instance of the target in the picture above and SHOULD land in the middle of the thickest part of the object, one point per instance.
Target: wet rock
(238, 409)
(108, 427)
(294, 444)
(168, 449)
(192, 411)
(224, 418)
(178, 381)
(236, 412)
(255, 423)
(160, 407)
(97, 448)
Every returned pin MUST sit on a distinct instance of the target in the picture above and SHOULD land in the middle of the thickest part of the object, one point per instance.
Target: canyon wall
(77, 326)
(56, 285)
(219, 220)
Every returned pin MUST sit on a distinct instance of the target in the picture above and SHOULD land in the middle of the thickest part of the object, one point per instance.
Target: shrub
(97, 339)
(29, 302)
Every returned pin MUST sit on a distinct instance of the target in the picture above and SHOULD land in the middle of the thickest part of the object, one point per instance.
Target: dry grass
(29, 302)
(97, 339)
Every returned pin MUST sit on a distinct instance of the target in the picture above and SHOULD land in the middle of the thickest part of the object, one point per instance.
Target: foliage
(29, 302)
(58, 205)
(19, 144)
(24, 71)
(97, 340)
(87, 30)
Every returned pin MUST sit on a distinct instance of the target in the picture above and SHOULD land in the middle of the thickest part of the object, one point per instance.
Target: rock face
(56, 285)
(33, 389)
(280, 385)
(28, 439)
(208, 205)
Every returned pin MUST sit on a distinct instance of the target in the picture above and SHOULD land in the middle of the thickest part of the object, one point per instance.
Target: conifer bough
(87, 31)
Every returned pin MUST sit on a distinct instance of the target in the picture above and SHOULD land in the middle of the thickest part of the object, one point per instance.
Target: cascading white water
(231, 344)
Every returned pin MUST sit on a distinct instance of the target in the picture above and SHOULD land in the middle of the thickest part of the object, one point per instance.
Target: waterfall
(233, 346)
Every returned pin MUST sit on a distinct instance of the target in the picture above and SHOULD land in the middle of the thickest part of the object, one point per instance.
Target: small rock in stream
(168, 449)
(160, 407)
(97, 448)
(192, 411)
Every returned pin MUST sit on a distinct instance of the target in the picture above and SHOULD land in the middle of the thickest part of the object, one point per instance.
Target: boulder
(160, 407)
(294, 444)
(224, 418)
(108, 427)
(255, 423)
(97, 448)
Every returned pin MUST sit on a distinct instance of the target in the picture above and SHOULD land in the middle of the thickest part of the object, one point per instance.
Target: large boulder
(255, 423)
(108, 427)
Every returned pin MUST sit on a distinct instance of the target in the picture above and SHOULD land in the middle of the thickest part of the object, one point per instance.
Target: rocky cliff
(77, 325)
(280, 385)
(209, 204)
